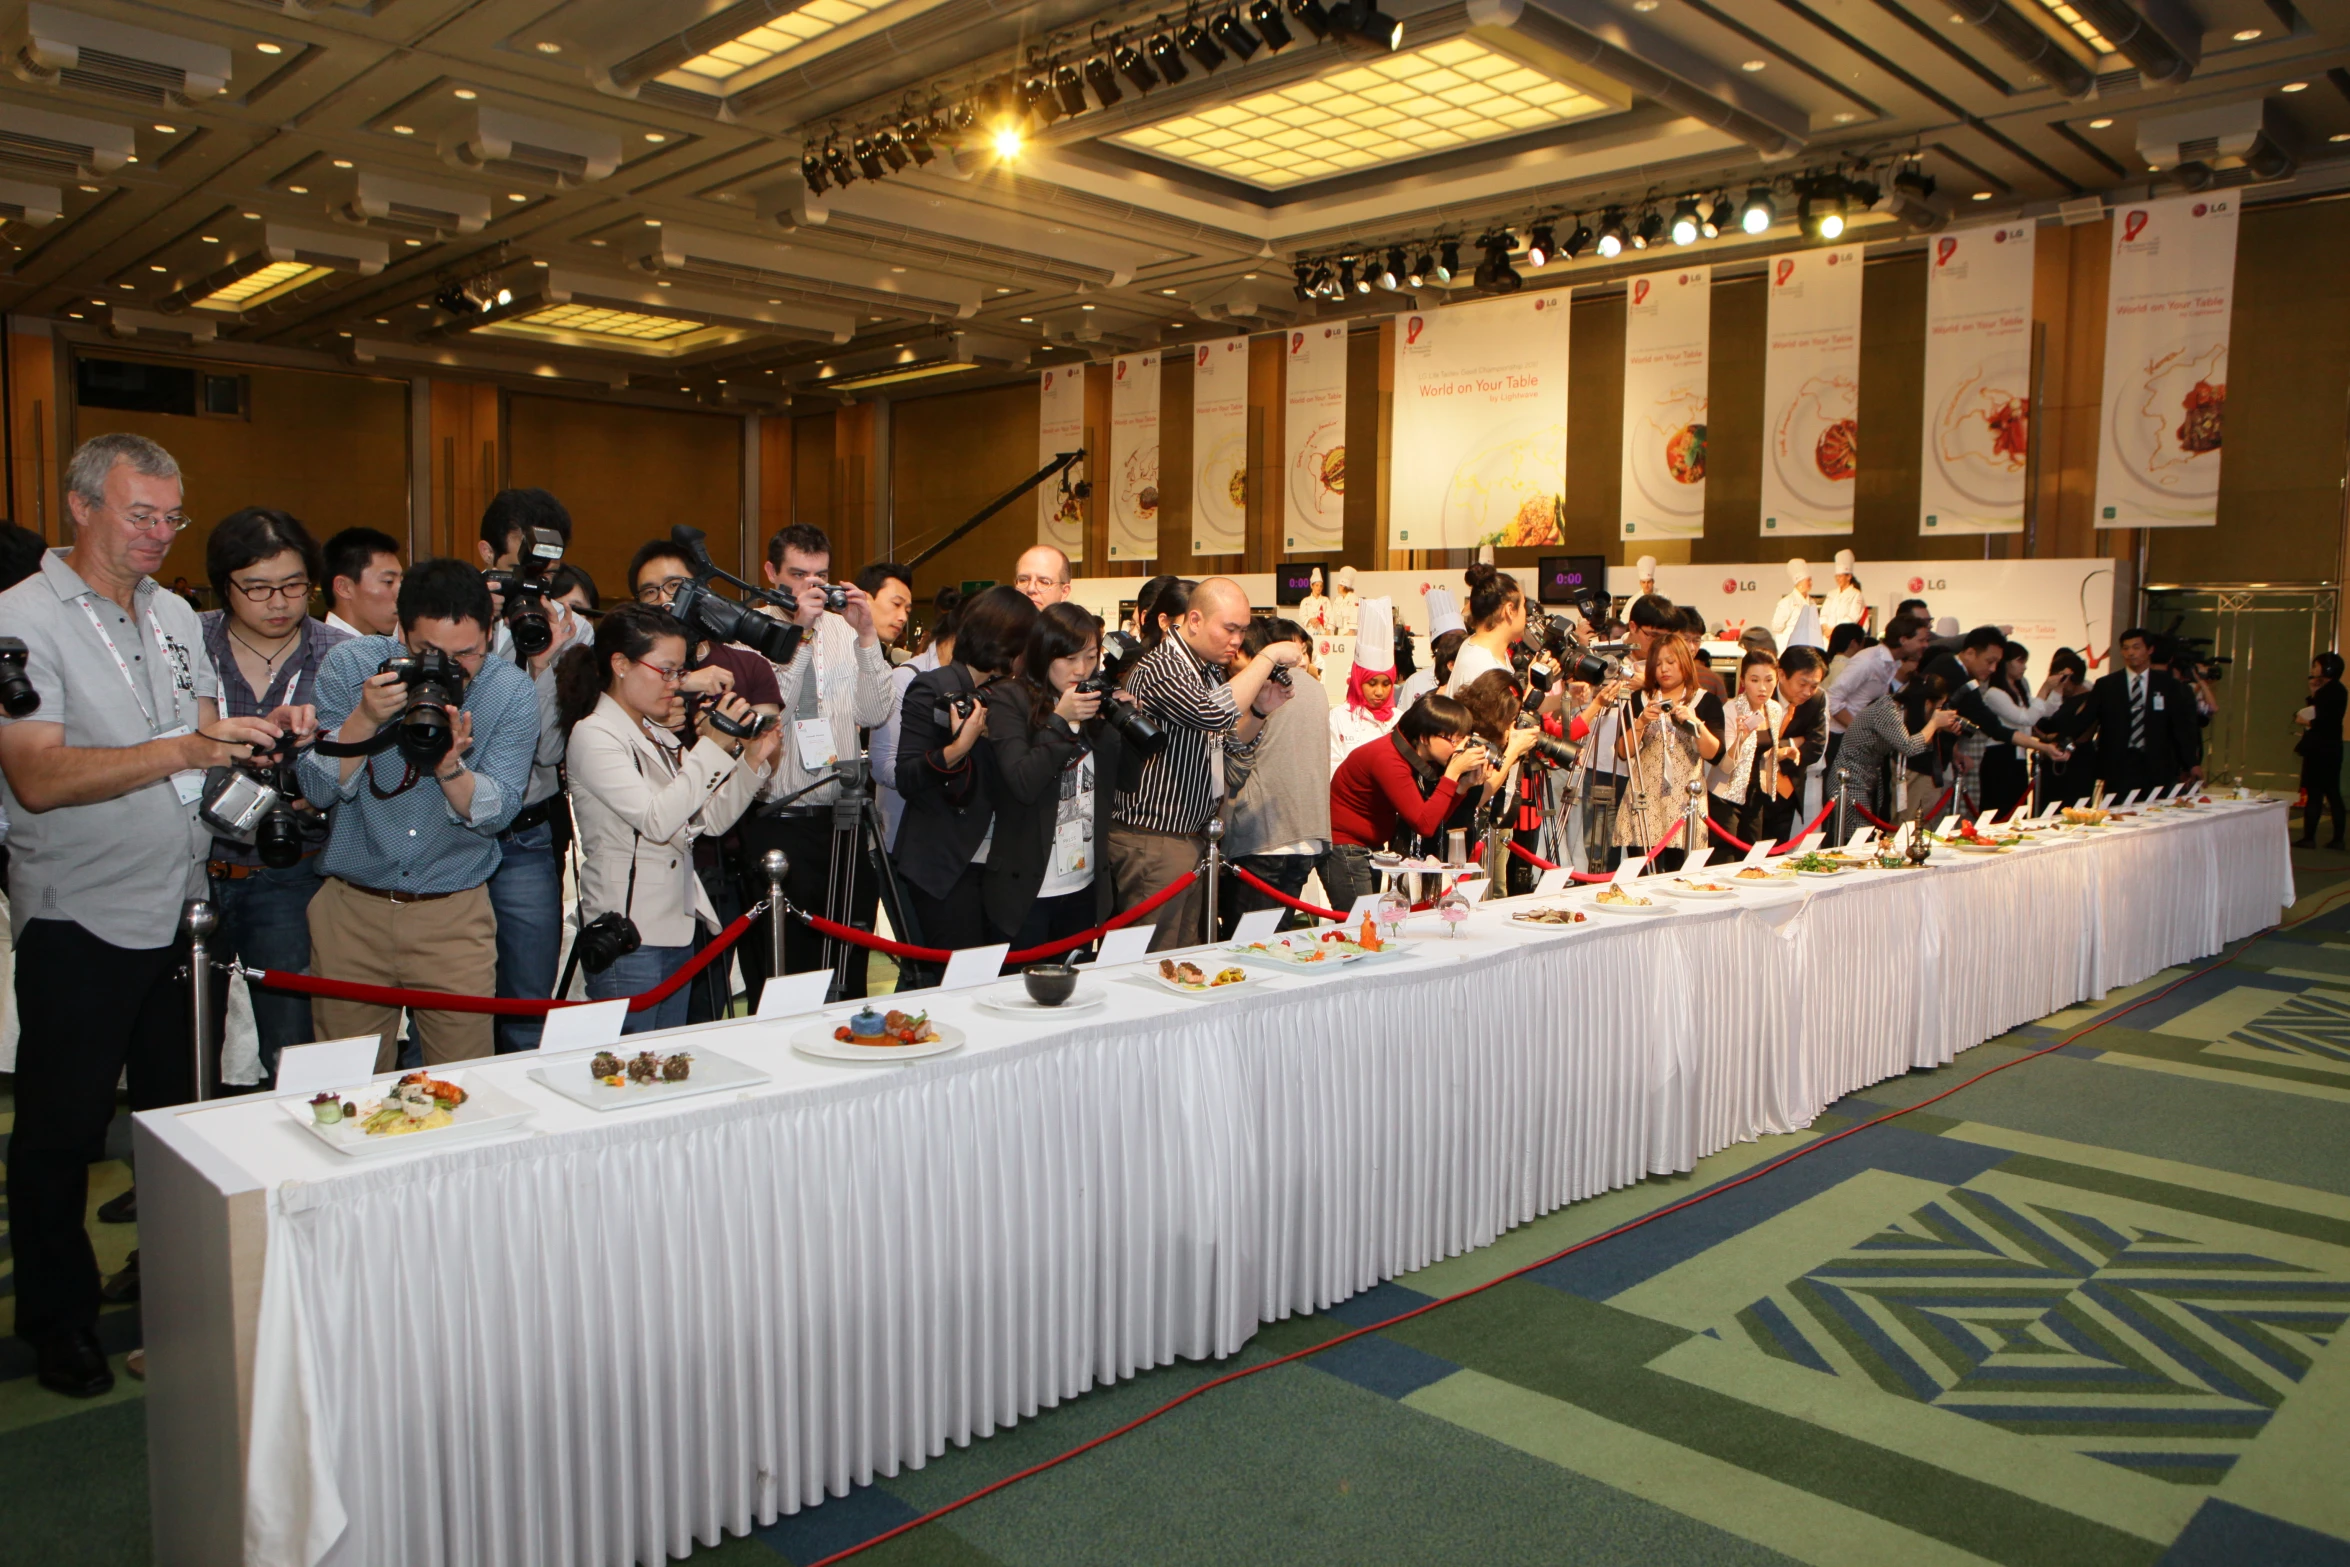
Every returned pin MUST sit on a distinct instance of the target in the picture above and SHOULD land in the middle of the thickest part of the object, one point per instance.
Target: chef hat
(1485, 553)
(1807, 629)
(1646, 569)
(1799, 570)
(1946, 629)
(1844, 562)
(1444, 611)
(1375, 637)
(1346, 577)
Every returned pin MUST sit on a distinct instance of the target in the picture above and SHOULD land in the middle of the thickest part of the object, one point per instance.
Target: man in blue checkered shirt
(411, 848)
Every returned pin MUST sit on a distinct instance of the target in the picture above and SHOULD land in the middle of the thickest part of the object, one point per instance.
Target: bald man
(1211, 723)
(1042, 574)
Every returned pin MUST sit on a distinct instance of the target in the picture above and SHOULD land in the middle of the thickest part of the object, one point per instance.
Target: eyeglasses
(669, 677)
(661, 592)
(263, 592)
(146, 519)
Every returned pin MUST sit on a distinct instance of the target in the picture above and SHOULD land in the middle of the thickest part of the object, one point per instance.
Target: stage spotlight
(1226, 30)
(812, 171)
(1820, 214)
(1102, 77)
(964, 116)
(1916, 182)
(1312, 15)
(1069, 87)
(1685, 221)
(1862, 192)
(1304, 271)
(836, 164)
(1448, 260)
(1579, 241)
(1166, 58)
(1007, 141)
(868, 161)
(1541, 247)
(1611, 234)
(1346, 278)
(1391, 273)
(1758, 214)
(1038, 98)
(915, 138)
(1722, 219)
(1422, 270)
(1652, 225)
(1134, 68)
(1364, 19)
(1363, 282)
(1266, 16)
(885, 143)
(1495, 275)
(1196, 43)
(1322, 280)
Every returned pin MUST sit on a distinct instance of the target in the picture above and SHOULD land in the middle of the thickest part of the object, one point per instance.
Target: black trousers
(89, 1010)
(2321, 778)
(808, 842)
(955, 921)
(1285, 871)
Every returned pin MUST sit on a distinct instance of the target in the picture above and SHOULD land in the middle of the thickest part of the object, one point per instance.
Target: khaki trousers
(443, 944)
(1143, 863)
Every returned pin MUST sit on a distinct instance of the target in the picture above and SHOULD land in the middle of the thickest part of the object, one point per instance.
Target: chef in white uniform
(1444, 614)
(1789, 609)
(1370, 708)
(1644, 571)
(1844, 604)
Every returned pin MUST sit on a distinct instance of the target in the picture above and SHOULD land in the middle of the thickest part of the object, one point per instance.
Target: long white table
(612, 1336)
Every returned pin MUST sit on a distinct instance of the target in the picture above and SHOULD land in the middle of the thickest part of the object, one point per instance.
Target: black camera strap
(381, 741)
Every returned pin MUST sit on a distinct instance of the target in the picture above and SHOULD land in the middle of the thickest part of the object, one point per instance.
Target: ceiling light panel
(718, 71)
(2078, 25)
(1408, 105)
(279, 277)
(634, 325)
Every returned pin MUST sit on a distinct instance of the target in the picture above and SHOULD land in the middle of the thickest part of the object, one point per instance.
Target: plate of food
(2085, 816)
(1550, 914)
(1751, 874)
(418, 1110)
(1704, 887)
(1306, 949)
(615, 1079)
(870, 1034)
(1815, 864)
(1615, 900)
(1189, 979)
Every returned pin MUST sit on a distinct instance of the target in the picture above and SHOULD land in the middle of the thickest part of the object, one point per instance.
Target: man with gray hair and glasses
(103, 781)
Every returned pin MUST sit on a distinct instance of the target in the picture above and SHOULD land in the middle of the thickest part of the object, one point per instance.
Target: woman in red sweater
(1408, 778)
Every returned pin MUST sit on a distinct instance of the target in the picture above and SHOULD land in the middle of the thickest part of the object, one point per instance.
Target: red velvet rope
(1882, 825)
(1537, 861)
(1051, 949)
(1278, 896)
(502, 1006)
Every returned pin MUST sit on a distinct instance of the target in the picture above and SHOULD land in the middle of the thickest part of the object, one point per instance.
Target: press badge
(814, 737)
(188, 783)
(2158, 701)
(1072, 848)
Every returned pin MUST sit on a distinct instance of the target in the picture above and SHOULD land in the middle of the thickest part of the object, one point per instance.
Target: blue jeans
(639, 972)
(264, 921)
(526, 894)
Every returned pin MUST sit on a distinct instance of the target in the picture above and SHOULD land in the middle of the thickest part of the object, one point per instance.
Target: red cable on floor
(1755, 1174)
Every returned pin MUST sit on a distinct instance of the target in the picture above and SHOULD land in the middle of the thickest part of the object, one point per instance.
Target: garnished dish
(886, 1029)
(1618, 897)
(371, 1118)
(642, 1070)
(1190, 976)
(417, 1103)
(329, 1109)
(1760, 873)
(1552, 916)
(1971, 839)
(1305, 949)
(2085, 816)
(1814, 864)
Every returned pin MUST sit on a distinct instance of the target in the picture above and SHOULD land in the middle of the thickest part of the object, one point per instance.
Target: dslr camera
(836, 597)
(17, 696)
(705, 614)
(250, 802)
(1130, 722)
(523, 589)
(953, 708)
(605, 940)
(1547, 750)
(436, 688)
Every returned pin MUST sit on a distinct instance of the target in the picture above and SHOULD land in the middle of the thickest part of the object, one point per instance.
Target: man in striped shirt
(1159, 831)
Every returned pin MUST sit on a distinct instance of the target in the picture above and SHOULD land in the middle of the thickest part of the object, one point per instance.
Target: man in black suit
(2321, 749)
(2149, 733)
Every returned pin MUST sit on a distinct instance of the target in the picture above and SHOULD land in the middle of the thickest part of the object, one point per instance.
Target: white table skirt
(605, 1342)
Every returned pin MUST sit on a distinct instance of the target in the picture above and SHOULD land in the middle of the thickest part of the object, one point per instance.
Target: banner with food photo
(1060, 427)
(1219, 447)
(1314, 454)
(1978, 408)
(1133, 472)
(1668, 339)
(1480, 424)
(1811, 392)
(2172, 284)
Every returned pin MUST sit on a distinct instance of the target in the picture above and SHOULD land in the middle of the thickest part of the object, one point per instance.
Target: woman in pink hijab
(1369, 711)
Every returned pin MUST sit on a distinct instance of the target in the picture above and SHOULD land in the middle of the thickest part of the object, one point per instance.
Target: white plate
(712, 1073)
(1821, 875)
(1979, 848)
(816, 1040)
(1679, 890)
(1598, 907)
(1293, 954)
(1152, 974)
(1013, 1000)
(485, 1113)
(1525, 917)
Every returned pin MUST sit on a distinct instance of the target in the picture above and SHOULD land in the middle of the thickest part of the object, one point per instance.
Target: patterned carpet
(2083, 1312)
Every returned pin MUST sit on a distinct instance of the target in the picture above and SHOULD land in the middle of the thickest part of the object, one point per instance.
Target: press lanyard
(128, 679)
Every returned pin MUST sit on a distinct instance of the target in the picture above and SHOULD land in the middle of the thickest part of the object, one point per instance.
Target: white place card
(1129, 944)
(975, 966)
(1811, 841)
(1365, 907)
(1472, 888)
(1553, 881)
(1255, 926)
(589, 1026)
(2129, 799)
(1984, 821)
(789, 995)
(1861, 838)
(331, 1063)
(1701, 859)
(1760, 851)
(1902, 838)
(1949, 826)
(1633, 865)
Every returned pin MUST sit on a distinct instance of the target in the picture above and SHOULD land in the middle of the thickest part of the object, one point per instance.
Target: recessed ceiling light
(154, 267)
(2101, 125)
(268, 48)
(1982, 195)
(599, 244)
(1003, 290)
(2339, 136)
(403, 130)
(383, 320)
(2296, 87)
(775, 301)
(897, 269)
(1167, 291)
(73, 315)
(1248, 277)
(663, 283)
(467, 93)
(1844, 117)
(2245, 35)
(1085, 307)
(250, 217)
(515, 195)
(89, 190)
(1028, 320)
(652, 223)
(167, 130)
(1752, 65)
(210, 239)
(342, 334)
(1644, 5)
(541, 263)
(118, 285)
(876, 318)
(549, 46)
(1957, 20)
(130, 160)
(655, 136)
(299, 190)
(415, 242)
(342, 163)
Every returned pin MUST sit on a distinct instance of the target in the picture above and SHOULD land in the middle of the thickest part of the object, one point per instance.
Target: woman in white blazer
(641, 794)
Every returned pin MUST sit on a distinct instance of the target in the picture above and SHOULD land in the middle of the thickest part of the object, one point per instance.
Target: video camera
(436, 688)
(746, 729)
(250, 802)
(1602, 662)
(523, 590)
(17, 696)
(723, 620)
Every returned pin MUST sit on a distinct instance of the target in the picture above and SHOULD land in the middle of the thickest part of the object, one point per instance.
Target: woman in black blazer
(1058, 767)
(946, 771)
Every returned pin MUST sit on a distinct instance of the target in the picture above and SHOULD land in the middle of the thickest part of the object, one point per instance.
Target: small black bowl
(1049, 984)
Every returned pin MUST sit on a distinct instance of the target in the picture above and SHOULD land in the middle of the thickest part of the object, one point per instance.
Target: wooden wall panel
(777, 475)
(35, 490)
(627, 475)
(467, 463)
(1360, 539)
(950, 455)
(1175, 477)
(1595, 434)
(1740, 325)
(2068, 295)
(1268, 358)
(855, 446)
(811, 470)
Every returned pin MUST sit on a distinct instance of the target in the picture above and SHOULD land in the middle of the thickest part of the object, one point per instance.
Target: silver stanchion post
(1693, 822)
(199, 919)
(1843, 804)
(1213, 869)
(775, 865)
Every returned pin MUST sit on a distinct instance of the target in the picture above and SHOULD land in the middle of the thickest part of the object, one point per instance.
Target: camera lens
(836, 597)
(278, 839)
(16, 693)
(527, 621)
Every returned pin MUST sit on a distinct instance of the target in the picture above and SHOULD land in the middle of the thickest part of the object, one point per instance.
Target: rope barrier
(501, 1006)
(1051, 949)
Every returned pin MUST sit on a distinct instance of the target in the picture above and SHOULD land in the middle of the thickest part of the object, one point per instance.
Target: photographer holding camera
(113, 717)
(267, 651)
(449, 732)
(643, 798)
(1160, 827)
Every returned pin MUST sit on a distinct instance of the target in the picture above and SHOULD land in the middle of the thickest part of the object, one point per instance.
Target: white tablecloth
(624, 1334)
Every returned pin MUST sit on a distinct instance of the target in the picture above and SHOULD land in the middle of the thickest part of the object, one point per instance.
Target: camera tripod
(858, 833)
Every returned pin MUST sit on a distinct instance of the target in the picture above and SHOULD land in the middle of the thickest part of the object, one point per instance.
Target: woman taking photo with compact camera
(1058, 764)
(1674, 731)
(947, 772)
(639, 798)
